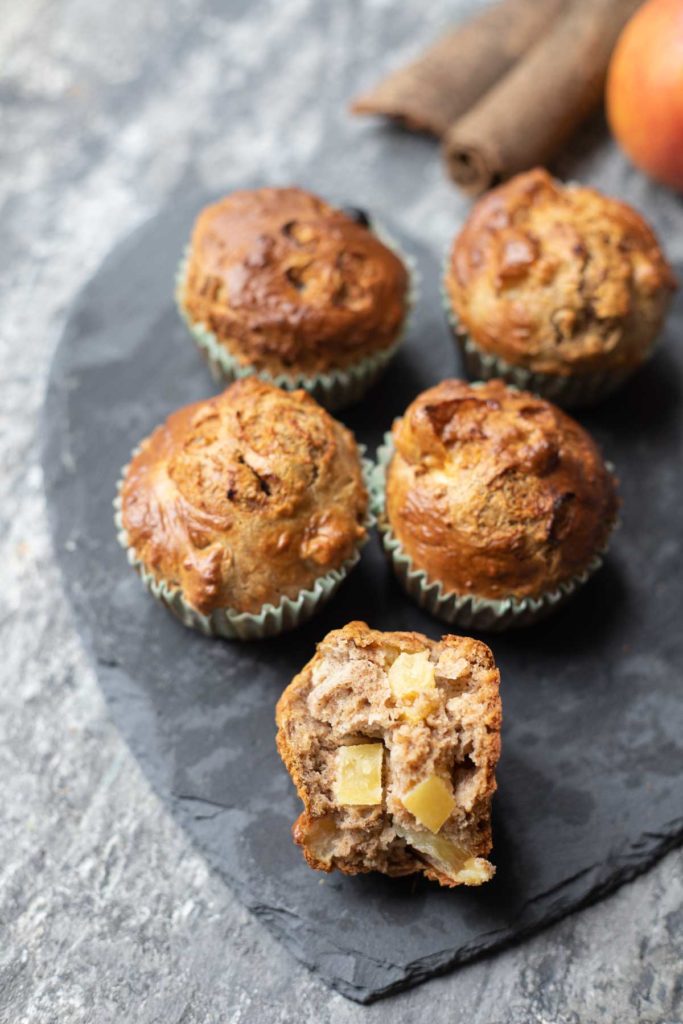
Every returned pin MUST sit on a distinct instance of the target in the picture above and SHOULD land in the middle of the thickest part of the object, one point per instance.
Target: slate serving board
(589, 783)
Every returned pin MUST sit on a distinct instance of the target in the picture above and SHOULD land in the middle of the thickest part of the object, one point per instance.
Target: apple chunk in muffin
(392, 740)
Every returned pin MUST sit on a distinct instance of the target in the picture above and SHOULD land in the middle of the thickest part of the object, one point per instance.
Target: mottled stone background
(107, 912)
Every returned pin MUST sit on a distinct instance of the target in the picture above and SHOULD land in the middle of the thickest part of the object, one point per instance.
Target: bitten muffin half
(392, 740)
(280, 283)
(495, 501)
(242, 503)
(557, 288)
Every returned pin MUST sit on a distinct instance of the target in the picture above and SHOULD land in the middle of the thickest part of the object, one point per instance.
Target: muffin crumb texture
(288, 283)
(559, 279)
(392, 740)
(495, 492)
(245, 498)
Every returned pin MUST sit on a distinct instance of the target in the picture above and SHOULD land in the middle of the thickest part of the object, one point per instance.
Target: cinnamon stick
(429, 94)
(525, 118)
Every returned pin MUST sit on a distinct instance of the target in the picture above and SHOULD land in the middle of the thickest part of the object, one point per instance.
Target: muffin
(278, 283)
(392, 741)
(245, 512)
(556, 288)
(493, 504)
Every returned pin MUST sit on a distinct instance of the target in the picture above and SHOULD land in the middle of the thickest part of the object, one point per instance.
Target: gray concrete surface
(107, 912)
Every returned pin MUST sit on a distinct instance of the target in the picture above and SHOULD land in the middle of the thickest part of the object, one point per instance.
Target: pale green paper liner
(571, 392)
(228, 623)
(333, 390)
(464, 610)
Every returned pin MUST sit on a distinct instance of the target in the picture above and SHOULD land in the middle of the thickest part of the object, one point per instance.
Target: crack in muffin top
(245, 497)
(496, 492)
(558, 278)
(287, 282)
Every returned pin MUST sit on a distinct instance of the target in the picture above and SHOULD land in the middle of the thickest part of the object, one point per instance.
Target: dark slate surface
(589, 791)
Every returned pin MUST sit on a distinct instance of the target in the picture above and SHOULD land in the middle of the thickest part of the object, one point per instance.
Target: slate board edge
(608, 875)
(420, 970)
(605, 882)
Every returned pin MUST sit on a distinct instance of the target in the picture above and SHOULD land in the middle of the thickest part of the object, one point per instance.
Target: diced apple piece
(431, 802)
(475, 871)
(320, 836)
(446, 855)
(359, 774)
(412, 682)
(418, 710)
(449, 858)
(452, 666)
(411, 674)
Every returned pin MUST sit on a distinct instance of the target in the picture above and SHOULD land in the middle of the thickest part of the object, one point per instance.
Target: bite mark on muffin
(392, 741)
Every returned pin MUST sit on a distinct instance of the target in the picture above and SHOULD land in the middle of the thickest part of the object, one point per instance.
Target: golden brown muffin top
(245, 497)
(288, 283)
(496, 492)
(558, 278)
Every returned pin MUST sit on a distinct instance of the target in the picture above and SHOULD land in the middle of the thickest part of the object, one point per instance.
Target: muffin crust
(245, 497)
(559, 279)
(287, 283)
(343, 697)
(495, 492)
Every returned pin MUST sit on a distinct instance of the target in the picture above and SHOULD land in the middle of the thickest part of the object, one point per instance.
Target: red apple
(645, 90)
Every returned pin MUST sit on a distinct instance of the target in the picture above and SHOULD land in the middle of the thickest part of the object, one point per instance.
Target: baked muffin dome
(289, 285)
(495, 492)
(245, 498)
(558, 279)
(392, 741)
